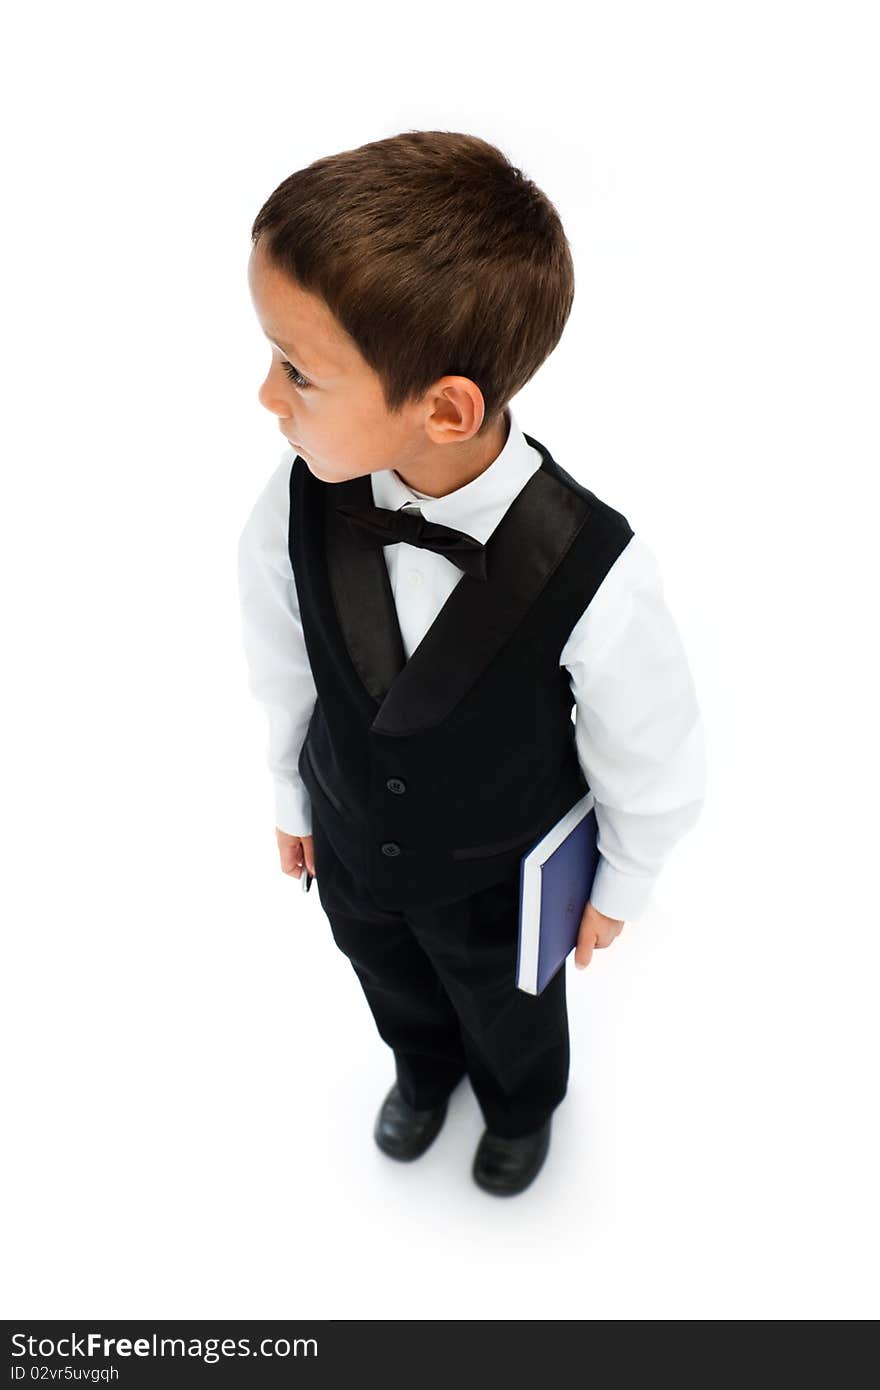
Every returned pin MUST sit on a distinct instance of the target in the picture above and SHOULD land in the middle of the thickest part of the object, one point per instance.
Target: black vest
(431, 777)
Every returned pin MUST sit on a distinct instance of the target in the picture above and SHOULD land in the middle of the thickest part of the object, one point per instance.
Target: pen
(305, 880)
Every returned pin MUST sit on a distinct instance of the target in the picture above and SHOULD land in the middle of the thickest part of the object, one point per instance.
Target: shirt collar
(478, 506)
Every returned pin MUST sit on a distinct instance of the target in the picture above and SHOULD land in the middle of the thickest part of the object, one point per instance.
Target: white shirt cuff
(293, 808)
(618, 895)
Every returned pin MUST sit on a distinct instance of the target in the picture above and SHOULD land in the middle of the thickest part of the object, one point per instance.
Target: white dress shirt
(638, 729)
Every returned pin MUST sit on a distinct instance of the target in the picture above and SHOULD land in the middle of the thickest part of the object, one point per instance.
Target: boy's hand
(296, 850)
(595, 930)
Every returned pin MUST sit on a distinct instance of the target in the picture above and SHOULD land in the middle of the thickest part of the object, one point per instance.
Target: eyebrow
(288, 348)
(316, 369)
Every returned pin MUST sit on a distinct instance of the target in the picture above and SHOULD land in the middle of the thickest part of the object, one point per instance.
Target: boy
(426, 597)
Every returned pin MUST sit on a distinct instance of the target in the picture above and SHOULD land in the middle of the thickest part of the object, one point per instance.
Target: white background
(191, 1071)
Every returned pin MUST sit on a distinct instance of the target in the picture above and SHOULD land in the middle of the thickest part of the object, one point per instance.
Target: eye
(296, 377)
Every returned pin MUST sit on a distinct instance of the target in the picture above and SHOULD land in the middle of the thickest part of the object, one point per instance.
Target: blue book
(555, 879)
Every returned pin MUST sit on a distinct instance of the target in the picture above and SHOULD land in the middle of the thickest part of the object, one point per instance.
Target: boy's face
(339, 422)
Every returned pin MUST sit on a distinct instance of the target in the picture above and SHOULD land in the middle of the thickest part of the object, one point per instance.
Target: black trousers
(441, 984)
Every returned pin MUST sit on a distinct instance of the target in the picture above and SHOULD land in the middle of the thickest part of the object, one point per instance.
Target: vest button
(390, 848)
(396, 784)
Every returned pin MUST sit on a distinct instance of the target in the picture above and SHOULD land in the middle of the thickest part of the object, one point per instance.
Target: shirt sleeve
(279, 674)
(638, 729)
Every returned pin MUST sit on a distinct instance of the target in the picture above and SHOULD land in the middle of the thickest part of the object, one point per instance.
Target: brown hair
(435, 254)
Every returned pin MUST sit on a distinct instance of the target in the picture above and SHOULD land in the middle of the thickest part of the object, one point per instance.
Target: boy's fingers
(584, 950)
(296, 853)
(308, 846)
(291, 859)
(596, 932)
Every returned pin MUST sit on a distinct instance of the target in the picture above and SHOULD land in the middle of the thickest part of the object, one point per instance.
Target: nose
(271, 402)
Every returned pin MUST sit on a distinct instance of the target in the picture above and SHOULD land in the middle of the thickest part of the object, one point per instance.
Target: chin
(317, 471)
(322, 474)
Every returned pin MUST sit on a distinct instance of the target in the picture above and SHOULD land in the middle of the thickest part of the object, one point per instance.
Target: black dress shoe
(506, 1166)
(401, 1131)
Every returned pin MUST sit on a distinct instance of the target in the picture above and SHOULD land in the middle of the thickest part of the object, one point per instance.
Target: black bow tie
(382, 526)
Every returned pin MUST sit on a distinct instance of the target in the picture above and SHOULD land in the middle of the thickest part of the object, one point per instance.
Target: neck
(468, 461)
